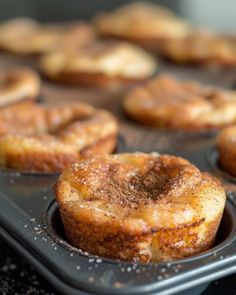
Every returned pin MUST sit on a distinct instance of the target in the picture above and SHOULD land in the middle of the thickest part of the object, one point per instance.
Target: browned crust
(50, 161)
(117, 243)
(93, 79)
(136, 239)
(140, 23)
(164, 102)
(105, 145)
(159, 46)
(182, 51)
(68, 34)
(18, 85)
(27, 117)
(34, 138)
(40, 161)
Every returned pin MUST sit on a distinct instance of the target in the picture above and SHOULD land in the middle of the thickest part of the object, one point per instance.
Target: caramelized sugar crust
(226, 145)
(17, 85)
(30, 118)
(141, 22)
(49, 139)
(25, 36)
(181, 105)
(139, 207)
(99, 63)
(202, 48)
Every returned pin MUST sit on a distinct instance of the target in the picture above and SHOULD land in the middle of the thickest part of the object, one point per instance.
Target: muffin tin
(30, 222)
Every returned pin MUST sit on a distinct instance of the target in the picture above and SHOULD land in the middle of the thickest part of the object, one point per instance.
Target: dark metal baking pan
(30, 222)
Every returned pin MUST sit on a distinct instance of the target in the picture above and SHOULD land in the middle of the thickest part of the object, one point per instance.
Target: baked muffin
(226, 145)
(32, 118)
(168, 103)
(143, 23)
(100, 63)
(25, 36)
(201, 48)
(139, 207)
(18, 85)
(36, 138)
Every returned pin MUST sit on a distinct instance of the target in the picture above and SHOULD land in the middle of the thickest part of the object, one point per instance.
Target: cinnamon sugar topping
(132, 184)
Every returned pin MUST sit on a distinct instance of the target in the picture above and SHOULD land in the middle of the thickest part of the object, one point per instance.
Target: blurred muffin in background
(99, 63)
(26, 36)
(41, 138)
(201, 47)
(143, 23)
(166, 102)
(17, 85)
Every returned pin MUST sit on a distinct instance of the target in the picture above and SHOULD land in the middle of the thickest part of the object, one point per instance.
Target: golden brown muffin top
(48, 139)
(26, 36)
(147, 190)
(111, 58)
(132, 180)
(141, 20)
(202, 47)
(17, 85)
(32, 118)
(165, 101)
